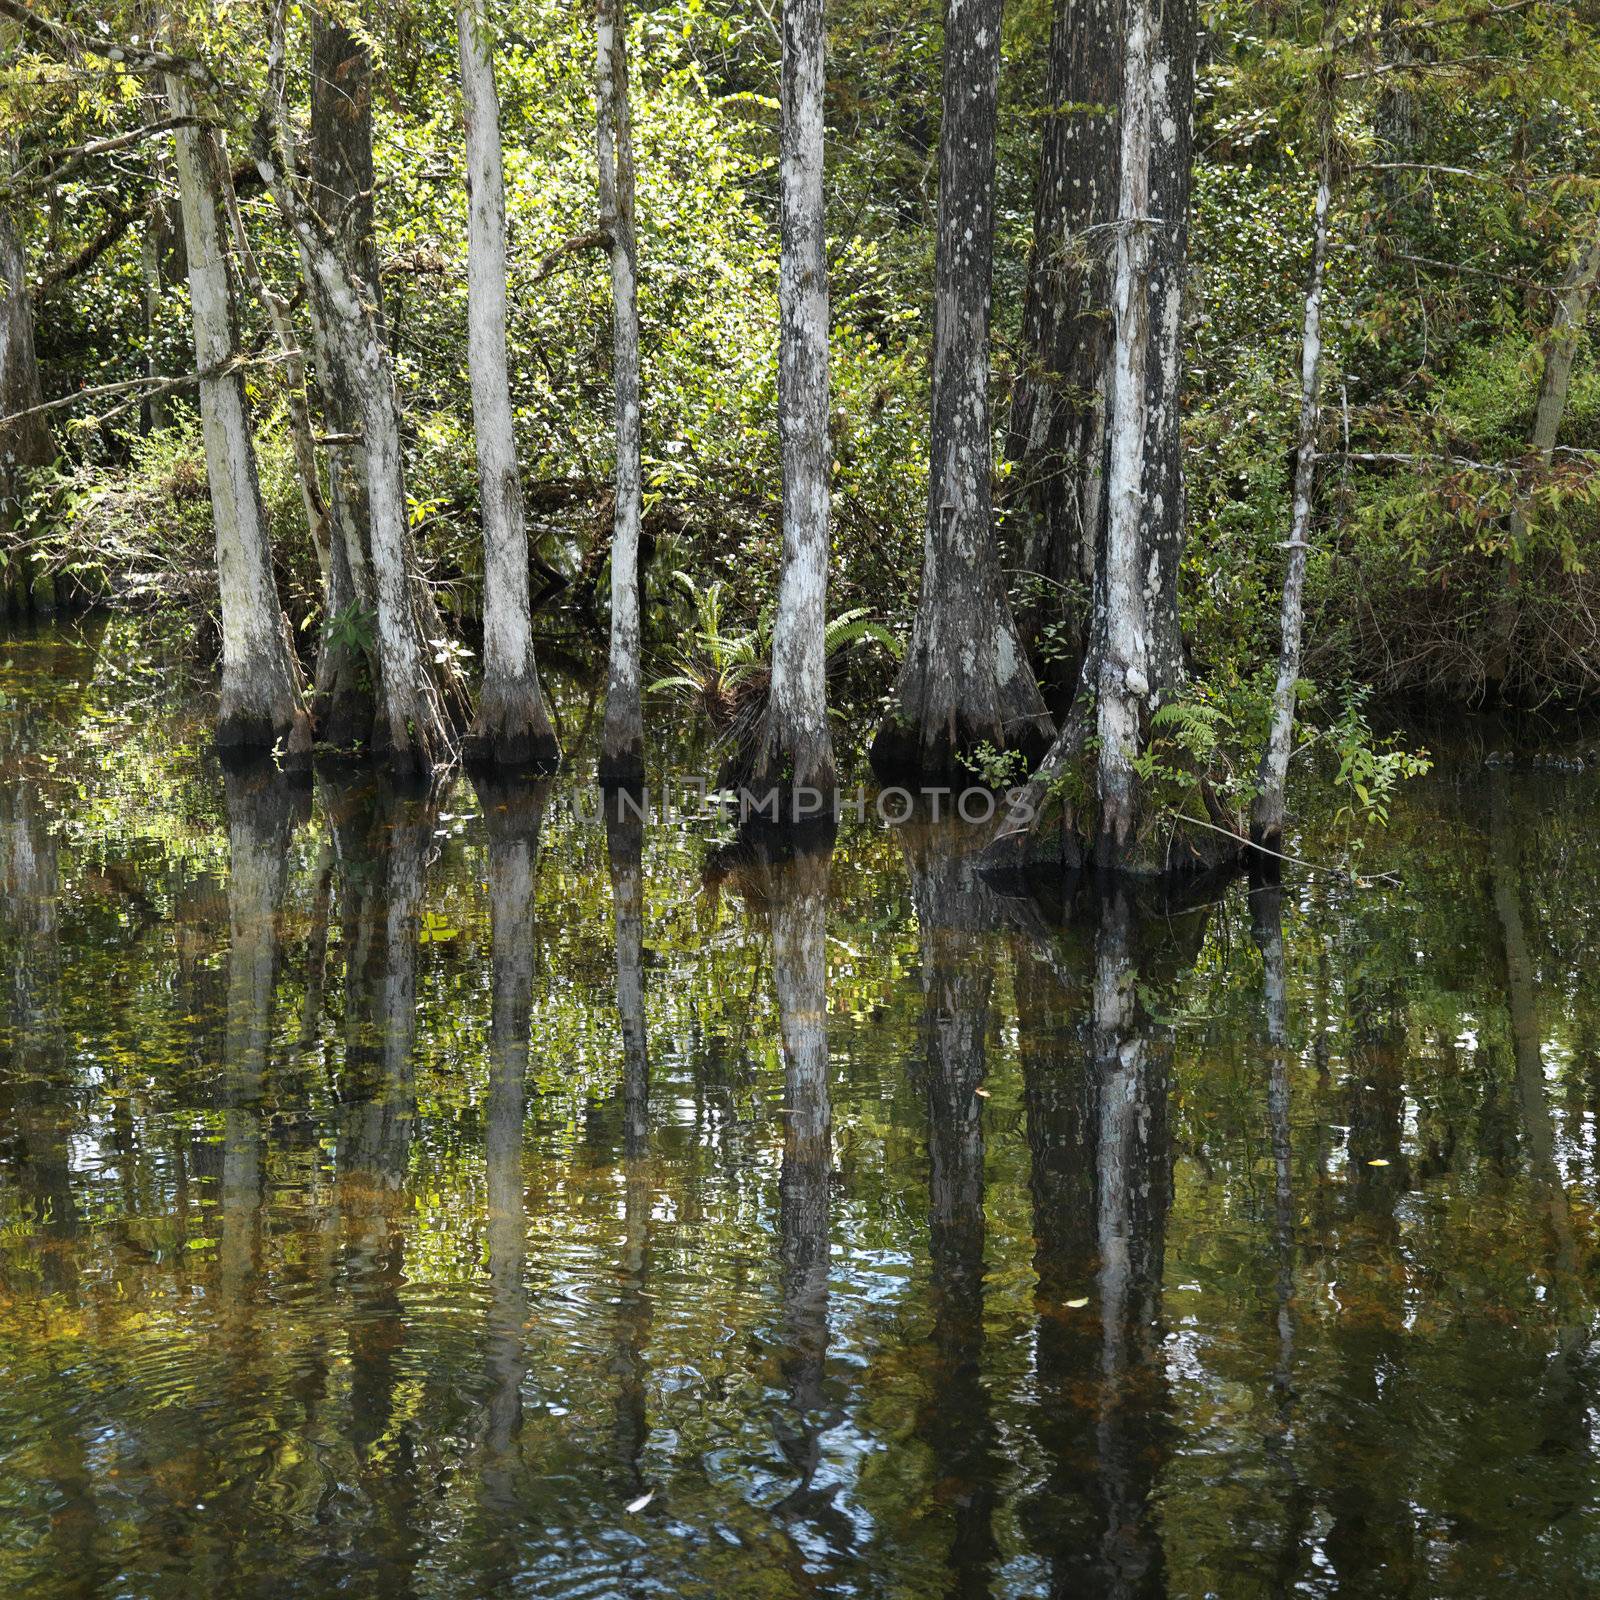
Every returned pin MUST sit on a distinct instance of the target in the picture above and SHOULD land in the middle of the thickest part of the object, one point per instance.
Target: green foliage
(997, 769)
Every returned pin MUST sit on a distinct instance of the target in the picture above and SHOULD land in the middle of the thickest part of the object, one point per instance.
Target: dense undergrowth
(1439, 305)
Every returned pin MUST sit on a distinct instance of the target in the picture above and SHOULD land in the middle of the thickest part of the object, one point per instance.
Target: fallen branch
(71, 161)
(147, 388)
(599, 239)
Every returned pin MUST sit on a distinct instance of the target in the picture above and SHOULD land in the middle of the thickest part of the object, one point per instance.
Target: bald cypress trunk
(1135, 660)
(340, 159)
(1267, 812)
(966, 678)
(622, 745)
(1122, 599)
(1055, 438)
(260, 700)
(410, 727)
(513, 724)
(26, 443)
(797, 750)
(1171, 170)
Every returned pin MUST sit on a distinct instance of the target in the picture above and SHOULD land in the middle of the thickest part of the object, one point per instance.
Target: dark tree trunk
(966, 679)
(263, 810)
(340, 156)
(1135, 654)
(1055, 438)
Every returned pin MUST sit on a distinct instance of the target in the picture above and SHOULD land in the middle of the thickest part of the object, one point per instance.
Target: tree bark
(340, 158)
(966, 678)
(260, 701)
(622, 742)
(797, 747)
(513, 723)
(410, 729)
(1123, 603)
(25, 444)
(304, 440)
(1267, 811)
(1055, 438)
(1135, 657)
(1171, 172)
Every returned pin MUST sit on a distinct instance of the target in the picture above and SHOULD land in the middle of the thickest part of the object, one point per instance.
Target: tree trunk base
(1053, 826)
(512, 730)
(921, 745)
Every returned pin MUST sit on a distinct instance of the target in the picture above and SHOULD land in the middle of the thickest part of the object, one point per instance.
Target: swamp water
(451, 1196)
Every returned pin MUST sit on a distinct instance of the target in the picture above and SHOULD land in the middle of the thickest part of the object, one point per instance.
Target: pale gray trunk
(260, 700)
(622, 745)
(304, 441)
(1267, 812)
(966, 677)
(797, 750)
(1123, 668)
(513, 724)
(1171, 168)
(409, 727)
(25, 444)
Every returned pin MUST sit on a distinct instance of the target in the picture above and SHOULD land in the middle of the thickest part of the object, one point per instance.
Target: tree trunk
(1555, 379)
(1055, 441)
(1123, 602)
(966, 678)
(409, 727)
(1267, 811)
(1171, 170)
(1135, 658)
(304, 440)
(340, 158)
(513, 724)
(797, 748)
(26, 443)
(260, 700)
(622, 743)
